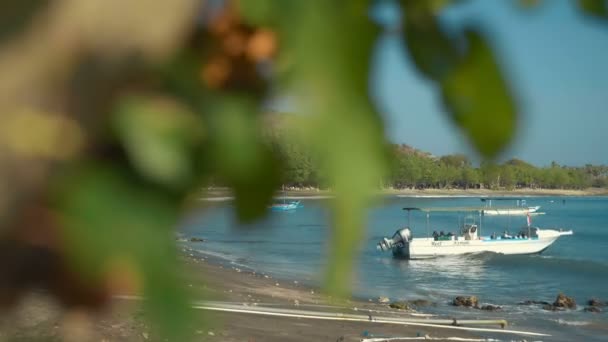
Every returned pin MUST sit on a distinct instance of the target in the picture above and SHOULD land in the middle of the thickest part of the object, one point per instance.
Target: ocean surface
(293, 245)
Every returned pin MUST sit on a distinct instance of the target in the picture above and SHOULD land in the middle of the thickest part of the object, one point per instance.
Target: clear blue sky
(555, 58)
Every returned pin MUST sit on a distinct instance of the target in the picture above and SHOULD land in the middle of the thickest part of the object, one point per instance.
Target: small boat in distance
(285, 206)
(529, 240)
(520, 207)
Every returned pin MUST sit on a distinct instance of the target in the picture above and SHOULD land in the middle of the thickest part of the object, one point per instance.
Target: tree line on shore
(411, 168)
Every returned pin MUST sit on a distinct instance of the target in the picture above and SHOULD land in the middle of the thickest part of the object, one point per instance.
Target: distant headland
(414, 172)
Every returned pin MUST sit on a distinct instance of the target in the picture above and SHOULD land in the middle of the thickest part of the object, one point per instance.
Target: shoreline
(225, 194)
(257, 288)
(214, 279)
(501, 193)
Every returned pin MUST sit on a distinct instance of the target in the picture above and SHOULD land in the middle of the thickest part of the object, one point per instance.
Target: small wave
(305, 197)
(571, 323)
(308, 225)
(272, 242)
(437, 196)
(547, 262)
(217, 199)
(222, 256)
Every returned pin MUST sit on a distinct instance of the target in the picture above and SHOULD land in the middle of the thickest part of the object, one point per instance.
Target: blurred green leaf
(331, 43)
(479, 100)
(241, 156)
(433, 6)
(598, 8)
(181, 76)
(474, 92)
(432, 51)
(109, 217)
(160, 138)
(261, 12)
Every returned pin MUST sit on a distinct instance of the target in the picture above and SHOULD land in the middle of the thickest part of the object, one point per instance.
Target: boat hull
(511, 211)
(425, 248)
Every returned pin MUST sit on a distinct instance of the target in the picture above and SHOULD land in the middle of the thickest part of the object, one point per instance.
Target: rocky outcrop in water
(593, 309)
(196, 239)
(596, 303)
(563, 301)
(467, 301)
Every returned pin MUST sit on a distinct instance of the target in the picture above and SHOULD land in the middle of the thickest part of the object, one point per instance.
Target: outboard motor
(400, 238)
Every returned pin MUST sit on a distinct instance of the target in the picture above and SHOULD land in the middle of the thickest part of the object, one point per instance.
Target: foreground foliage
(115, 113)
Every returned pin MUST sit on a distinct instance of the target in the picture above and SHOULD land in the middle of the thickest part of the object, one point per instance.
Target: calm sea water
(293, 245)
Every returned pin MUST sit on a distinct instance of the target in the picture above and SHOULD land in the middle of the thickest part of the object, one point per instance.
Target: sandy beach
(39, 318)
(252, 289)
(499, 193)
(219, 194)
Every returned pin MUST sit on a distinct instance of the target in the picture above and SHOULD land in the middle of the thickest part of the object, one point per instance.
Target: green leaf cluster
(474, 91)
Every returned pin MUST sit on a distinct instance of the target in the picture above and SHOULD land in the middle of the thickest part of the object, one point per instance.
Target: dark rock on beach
(468, 301)
(383, 300)
(400, 305)
(563, 301)
(473, 302)
(411, 304)
(596, 303)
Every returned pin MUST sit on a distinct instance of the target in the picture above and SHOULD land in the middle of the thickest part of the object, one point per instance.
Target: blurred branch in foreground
(115, 112)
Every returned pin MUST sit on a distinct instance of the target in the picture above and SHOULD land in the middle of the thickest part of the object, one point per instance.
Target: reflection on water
(449, 267)
(437, 277)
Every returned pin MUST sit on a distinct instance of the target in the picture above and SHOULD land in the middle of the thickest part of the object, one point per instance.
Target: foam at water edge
(230, 259)
(573, 323)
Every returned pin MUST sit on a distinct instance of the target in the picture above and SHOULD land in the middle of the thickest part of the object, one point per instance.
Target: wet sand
(39, 318)
(250, 289)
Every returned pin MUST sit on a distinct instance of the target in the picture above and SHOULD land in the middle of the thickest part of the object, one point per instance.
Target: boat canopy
(519, 202)
(457, 209)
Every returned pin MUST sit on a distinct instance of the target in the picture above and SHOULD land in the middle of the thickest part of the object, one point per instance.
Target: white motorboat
(285, 206)
(520, 207)
(529, 240)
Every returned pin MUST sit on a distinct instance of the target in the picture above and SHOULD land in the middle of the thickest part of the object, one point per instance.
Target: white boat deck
(530, 240)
